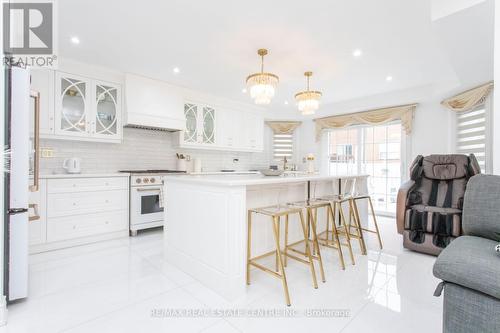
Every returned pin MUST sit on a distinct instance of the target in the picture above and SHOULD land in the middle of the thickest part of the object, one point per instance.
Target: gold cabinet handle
(35, 217)
(36, 164)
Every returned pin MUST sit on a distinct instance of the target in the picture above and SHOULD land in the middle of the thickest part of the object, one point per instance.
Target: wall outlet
(47, 152)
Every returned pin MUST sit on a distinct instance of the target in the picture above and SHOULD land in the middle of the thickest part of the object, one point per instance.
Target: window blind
(471, 134)
(282, 146)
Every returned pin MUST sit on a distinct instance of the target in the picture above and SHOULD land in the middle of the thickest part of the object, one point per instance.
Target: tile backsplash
(144, 149)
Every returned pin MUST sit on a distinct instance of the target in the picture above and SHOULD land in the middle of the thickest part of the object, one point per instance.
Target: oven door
(145, 205)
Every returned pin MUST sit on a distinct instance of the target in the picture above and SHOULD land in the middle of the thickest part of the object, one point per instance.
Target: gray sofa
(469, 266)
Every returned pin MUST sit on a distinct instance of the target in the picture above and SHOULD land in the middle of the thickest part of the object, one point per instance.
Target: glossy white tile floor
(114, 286)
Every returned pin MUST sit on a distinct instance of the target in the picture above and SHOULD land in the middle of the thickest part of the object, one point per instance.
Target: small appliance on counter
(181, 162)
(72, 165)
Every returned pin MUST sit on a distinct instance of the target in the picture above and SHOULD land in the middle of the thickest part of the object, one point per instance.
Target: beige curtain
(283, 127)
(469, 99)
(373, 117)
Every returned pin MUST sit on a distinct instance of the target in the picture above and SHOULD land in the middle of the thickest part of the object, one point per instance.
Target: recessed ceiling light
(176, 70)
(388, 78)
(244, 90)
(75, 40)
(357, 53)
(286, 102)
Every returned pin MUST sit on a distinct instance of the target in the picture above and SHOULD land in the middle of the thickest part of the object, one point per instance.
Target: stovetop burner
(152, 171)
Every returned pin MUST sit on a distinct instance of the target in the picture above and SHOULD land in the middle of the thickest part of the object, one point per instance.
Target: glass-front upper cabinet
(72, 105)
(200, 124)
(106, 120)
(87, 109)
(191, 114)
(208, 125)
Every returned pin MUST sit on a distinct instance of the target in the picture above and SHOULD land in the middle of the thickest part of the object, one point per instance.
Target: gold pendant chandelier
(262, 86)
(308, 101)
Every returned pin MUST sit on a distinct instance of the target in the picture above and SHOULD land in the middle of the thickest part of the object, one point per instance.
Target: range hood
(153, 104)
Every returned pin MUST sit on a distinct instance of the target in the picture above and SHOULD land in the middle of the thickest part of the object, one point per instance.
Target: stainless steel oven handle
(148, 189)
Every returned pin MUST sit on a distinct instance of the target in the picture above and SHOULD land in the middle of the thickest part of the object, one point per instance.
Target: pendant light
(308, 101)
(262, 86)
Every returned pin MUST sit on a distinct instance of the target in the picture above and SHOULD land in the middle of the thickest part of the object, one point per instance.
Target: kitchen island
(205, 220)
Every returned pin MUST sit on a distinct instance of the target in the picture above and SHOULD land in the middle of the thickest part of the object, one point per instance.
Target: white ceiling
(214, 43)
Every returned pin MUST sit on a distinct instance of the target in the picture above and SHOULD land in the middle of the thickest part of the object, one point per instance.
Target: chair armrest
(401, 204)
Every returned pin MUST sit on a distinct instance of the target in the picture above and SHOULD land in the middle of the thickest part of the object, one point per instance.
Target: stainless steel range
(146, 193)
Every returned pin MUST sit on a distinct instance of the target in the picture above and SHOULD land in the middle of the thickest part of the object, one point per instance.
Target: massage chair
(429, 205)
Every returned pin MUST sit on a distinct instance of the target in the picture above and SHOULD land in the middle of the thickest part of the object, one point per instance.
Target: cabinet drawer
(69, 227)
(63, 204)
(68, 185)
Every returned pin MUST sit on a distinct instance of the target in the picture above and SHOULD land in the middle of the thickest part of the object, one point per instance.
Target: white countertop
(253, 179)
(84, 175)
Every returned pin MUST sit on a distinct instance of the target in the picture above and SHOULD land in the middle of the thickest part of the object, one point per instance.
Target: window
(372, 150)
(282, 146)
(472, 135)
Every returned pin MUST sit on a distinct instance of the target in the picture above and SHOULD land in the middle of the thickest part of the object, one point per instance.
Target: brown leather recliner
(429, 205)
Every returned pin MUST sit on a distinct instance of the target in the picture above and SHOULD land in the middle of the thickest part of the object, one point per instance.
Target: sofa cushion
(481, 214)
(470, 262)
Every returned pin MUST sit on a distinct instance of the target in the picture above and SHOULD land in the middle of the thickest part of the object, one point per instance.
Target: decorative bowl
(271, 172)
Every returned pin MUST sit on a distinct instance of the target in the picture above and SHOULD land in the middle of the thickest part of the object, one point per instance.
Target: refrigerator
(23, 143)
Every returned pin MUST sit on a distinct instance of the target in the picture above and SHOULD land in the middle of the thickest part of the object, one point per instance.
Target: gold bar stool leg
(357, 222)
(327, 226)
(308, 251)
(286, 240)
(249, 244)
(280, 262)
(316, 244)
(335, 235)
(313, 213)
(375, 222)
(348, 238)
(276, 263)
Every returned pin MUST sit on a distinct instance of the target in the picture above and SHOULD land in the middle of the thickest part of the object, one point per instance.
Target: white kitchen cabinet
(73, 105)
(200, 129)
(107, 106)
(42, 81)
(75, 211)
(240, 131)
(87, 109)
(230, 130)
(253, 134)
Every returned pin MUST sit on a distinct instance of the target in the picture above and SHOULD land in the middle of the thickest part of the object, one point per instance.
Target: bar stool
(275, 213)
(355, 213)
(311, 208)
(334, 203)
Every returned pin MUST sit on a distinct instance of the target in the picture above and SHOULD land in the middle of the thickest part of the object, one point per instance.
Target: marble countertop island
(206, 220)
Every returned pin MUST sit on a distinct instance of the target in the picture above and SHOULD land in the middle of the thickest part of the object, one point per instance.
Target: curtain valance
(469, 99)
(373, 117)
(283, 127)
